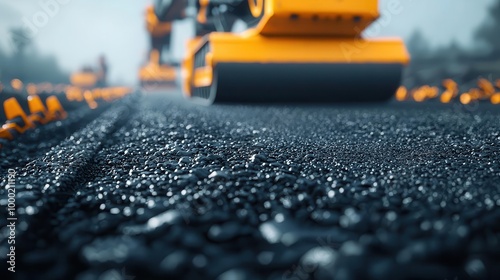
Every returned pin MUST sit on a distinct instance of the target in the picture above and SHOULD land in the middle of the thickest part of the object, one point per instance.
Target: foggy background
(81, 30)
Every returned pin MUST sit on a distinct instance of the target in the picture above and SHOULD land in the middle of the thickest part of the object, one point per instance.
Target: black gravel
(158, 188)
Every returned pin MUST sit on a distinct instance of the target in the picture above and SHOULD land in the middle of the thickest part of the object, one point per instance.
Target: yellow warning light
(401, 94)
(450, 92)
(486, 86)
(450, 84)
(446, 97)
(74, 94)
(475, 94)
(17, 85)
(90, 99)
(31, 89)
(495, 98)
(419, 95)
(465, 98)
(432, 92)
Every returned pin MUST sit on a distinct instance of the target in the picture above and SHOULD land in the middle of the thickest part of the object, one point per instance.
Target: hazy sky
(78, 31)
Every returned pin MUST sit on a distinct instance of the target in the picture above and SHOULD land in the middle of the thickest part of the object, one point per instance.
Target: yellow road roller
(291, 51)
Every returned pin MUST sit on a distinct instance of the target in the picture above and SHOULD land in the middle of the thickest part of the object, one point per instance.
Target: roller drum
(304, 83)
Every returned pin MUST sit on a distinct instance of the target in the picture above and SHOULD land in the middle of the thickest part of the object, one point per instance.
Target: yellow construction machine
(159, 70)
(89, 78)
(292, 51)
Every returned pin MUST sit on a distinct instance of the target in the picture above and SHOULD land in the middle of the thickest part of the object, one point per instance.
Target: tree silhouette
(26, 63)
(418, 45)
(489, 32)
(20, 39)
(3, 61)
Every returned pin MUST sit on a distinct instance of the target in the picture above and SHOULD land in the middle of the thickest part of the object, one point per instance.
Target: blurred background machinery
(160, 69)
(89, 77)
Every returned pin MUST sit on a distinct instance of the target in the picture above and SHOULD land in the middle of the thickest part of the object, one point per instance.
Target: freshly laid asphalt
(154, 187)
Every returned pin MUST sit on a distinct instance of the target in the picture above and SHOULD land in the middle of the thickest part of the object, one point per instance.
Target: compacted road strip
(157, 187)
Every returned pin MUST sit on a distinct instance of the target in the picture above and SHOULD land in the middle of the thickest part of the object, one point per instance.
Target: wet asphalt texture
(154, 187)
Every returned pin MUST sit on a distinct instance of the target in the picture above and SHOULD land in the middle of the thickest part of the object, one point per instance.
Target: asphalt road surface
(154, 187)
